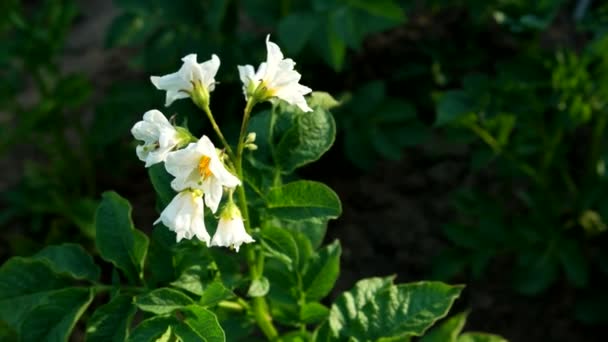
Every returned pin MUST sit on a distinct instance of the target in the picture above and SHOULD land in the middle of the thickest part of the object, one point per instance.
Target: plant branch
(255, 262)
(217, 130)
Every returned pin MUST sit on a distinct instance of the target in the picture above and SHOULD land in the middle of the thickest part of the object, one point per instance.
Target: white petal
(185, 216)
(142, 152)
(189, 59)
(209, 70)
(294, 95)
(174, 84)
(246, 73)
(205, 147)
(157, 156)
(231, 233)
(198, 222)
(190, 70)
(274, 57)
(226, 178)
(156, 117)
(146, 132)
(168, 138)
(213, 193)
(180, 163)
(261, 71)
(169, 81)
(285, 78)
(170, 213)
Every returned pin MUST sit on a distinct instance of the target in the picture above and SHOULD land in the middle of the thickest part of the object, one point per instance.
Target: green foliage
(532, 118)
(162, 301)
(376, 124)
(71, 259)
(377, 309)
(117, 239)
(111, 321)
(303, 199)
(450, 330)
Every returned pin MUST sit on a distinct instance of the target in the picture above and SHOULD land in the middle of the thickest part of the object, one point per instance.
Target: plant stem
(104, 288)
(596, 144)
(255, 262)
(495, 146)
(217, 130)
(233, 306)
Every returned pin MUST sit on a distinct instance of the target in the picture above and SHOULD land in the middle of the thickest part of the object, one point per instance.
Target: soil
(391, 225)
(391, 219)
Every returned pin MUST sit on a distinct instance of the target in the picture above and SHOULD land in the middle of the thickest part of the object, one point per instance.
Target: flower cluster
(202, 172)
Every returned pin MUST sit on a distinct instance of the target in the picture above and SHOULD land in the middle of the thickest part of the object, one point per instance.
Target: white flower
(185, 216)
(198, 166)
(158, 135)
(230, 229)
(181, 84)
(275, 78)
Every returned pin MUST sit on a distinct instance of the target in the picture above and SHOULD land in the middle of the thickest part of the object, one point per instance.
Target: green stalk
(495, 146)
(596, 144)
(255, 262)
(217, 130)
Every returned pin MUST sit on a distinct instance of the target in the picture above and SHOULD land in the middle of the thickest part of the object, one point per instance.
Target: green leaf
(307, 140)
(322, 100)
(128, 29)
(313, 228)
(535, 272)
(166, 337)
(162, 301)
(195, 266)
(322, 272)
(215, 293)
(161, 181)
(592, 307)
(54, 318)
(575, 265)
(216, 13)
(152, 328)
(24, 284)
(381, 8)
(452, 105)
(329, 44)
(117, 239)
(295, 30)
(71, 259)
(480, 337)
(7, 333)
(296, 336)
(204, 323)
(312, 313)
(73, 90)
(377, 309)
(160, 256)
(448, 331)
(259, 287)
(111, 321)
(302, 200)
(280, 244)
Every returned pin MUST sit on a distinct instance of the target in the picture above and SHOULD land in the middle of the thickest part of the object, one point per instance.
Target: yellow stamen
(203, 167)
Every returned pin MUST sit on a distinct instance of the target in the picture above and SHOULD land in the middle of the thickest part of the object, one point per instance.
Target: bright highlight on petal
(158, 135)
(185, 216)
(191, 80)
(198, 166)
(230, 229)
(275, 78)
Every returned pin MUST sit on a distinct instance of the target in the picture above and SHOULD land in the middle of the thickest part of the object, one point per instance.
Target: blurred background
(471, 134)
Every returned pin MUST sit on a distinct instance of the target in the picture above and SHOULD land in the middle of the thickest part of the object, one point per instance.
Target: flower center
(203, 167)
(151, 146)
